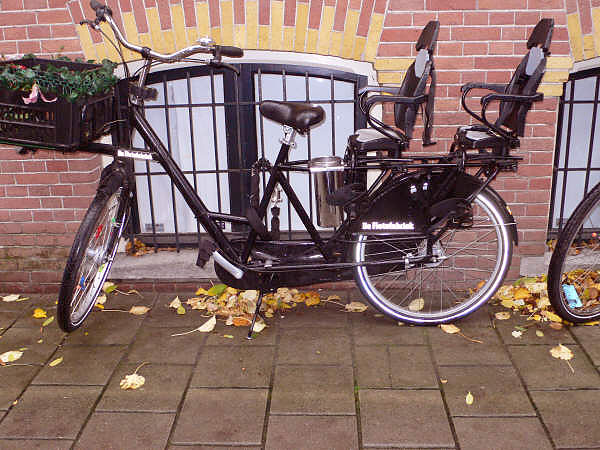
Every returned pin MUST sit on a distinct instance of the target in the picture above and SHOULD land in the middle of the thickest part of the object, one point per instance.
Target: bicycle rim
(97, 259)
(472, 262)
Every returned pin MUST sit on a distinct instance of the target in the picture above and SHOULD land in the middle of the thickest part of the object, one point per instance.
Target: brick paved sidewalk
(317, 378)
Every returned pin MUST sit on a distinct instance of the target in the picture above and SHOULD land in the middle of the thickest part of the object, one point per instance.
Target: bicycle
(575, 263)
(427, 242)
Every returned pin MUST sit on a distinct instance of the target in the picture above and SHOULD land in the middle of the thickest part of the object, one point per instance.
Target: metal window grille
(577, 155)
(209, 122)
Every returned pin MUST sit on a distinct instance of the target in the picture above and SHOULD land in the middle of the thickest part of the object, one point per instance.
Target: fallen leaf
(449, 328)
(355, 307)
(552, 316)
(10, 356)
(539, 333)
(101, 299)
(595, 322)
(502, 315)
(521, 293)
(39, 313)
(417, 304)
(139, 310)
(228, 336)
(259, 325)
(48, 321)
(181, 310)
(209, 325)
(175, 303)
(56, 362)
(99, 306)
(132, 381)
(556, 326)
(201, 291)
(241, 321)
(469, 398)
(13, 298)
(109, 286)
(561, 352)
(216, 290)
(312, 298)
(229, 321)
(517, 334)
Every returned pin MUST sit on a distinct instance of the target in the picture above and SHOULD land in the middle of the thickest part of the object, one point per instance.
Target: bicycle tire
(93, 251)
(396, 290)
(584, 257)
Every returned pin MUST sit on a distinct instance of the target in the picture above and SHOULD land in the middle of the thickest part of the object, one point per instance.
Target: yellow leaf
(228, 336)
(181, 310)
(502, 315)
(521, 293)
(99, 306)
(101, 300)
(537, 288)
(334, 298)
(539, 333)
(417, 304)
(561, 352)
(508, 303)
(39, 313)
(209, 325)
(556, 326)
(48, 321)
(449, 328)
(312, 298)
(469, 398)
(132, 381)
(201, 291)
(139, 310)
(552, 316)
(10, 356)
(595, 322)
(355, 307)
(241, 321)
(259, 326)
(109, 286)
(543, 302)
(56, 362)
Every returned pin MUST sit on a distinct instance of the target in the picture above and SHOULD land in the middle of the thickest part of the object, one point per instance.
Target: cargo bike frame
(427, 241)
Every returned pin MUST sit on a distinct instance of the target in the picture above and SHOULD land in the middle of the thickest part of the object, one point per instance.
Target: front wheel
(93, 252)
(574, 270)
(469, 264)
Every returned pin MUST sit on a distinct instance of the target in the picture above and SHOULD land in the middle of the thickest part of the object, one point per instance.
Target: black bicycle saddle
(300, 116)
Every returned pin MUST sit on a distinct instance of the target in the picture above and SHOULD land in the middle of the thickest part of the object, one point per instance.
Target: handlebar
(104, 14)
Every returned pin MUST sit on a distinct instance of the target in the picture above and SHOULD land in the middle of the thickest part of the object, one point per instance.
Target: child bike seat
(299, 116)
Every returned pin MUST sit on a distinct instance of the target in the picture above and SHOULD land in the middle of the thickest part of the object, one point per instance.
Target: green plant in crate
(58, 79)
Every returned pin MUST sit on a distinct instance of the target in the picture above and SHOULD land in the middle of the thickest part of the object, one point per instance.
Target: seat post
(289, 135)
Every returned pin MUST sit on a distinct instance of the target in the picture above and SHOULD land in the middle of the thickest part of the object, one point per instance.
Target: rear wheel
(469, 265)
(574, 271)
(93, 252)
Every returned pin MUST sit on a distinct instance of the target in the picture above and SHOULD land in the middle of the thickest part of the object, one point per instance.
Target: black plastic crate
(59, 125)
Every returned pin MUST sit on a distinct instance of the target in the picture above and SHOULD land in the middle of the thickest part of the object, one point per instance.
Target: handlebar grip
(227, 50)
(95, 5)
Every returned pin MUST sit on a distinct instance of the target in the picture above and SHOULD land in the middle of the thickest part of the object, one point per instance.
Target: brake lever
(221, 64)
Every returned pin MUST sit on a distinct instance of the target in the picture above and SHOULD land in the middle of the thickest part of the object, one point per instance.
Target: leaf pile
(138, 248)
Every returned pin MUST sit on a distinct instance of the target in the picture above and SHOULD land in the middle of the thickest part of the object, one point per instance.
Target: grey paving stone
(398, 367)
(479, 318)
(161, 392)
(541, 371)
(14, 380)
(101, 319)
(30, 444)
(234, 367)
(50, 412)
(322, 316)
(241, 414)
(212, 447)
(7, 318)
(453, 349)
(495, 433)
(33, 301)
(550, 337)
(313, 390)
(496, 391)
(126, 430)
(115, 300)
(589, 338)
(81, 365)
(312, 433)
(103, 335)
(164, 316)
(320, 346)
(571, 417)
(159, 346)
(27, 339)
(370, 330)
(265, 337)
(404, 419)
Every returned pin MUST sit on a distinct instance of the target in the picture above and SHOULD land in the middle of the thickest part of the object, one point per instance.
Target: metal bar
(592, 133)
(193, 144)
(215, 140)
(287, 174)
(567, 149)
(332, 103)
(309, 155)
(169, 148)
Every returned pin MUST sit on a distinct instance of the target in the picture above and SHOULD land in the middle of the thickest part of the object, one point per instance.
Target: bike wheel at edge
(92, 254)
(575, 264)
(472, 262)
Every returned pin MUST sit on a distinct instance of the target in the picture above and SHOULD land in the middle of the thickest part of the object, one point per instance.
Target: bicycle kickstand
(256, 314)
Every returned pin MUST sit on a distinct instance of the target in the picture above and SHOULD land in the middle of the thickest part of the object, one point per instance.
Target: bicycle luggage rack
(56, 125)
